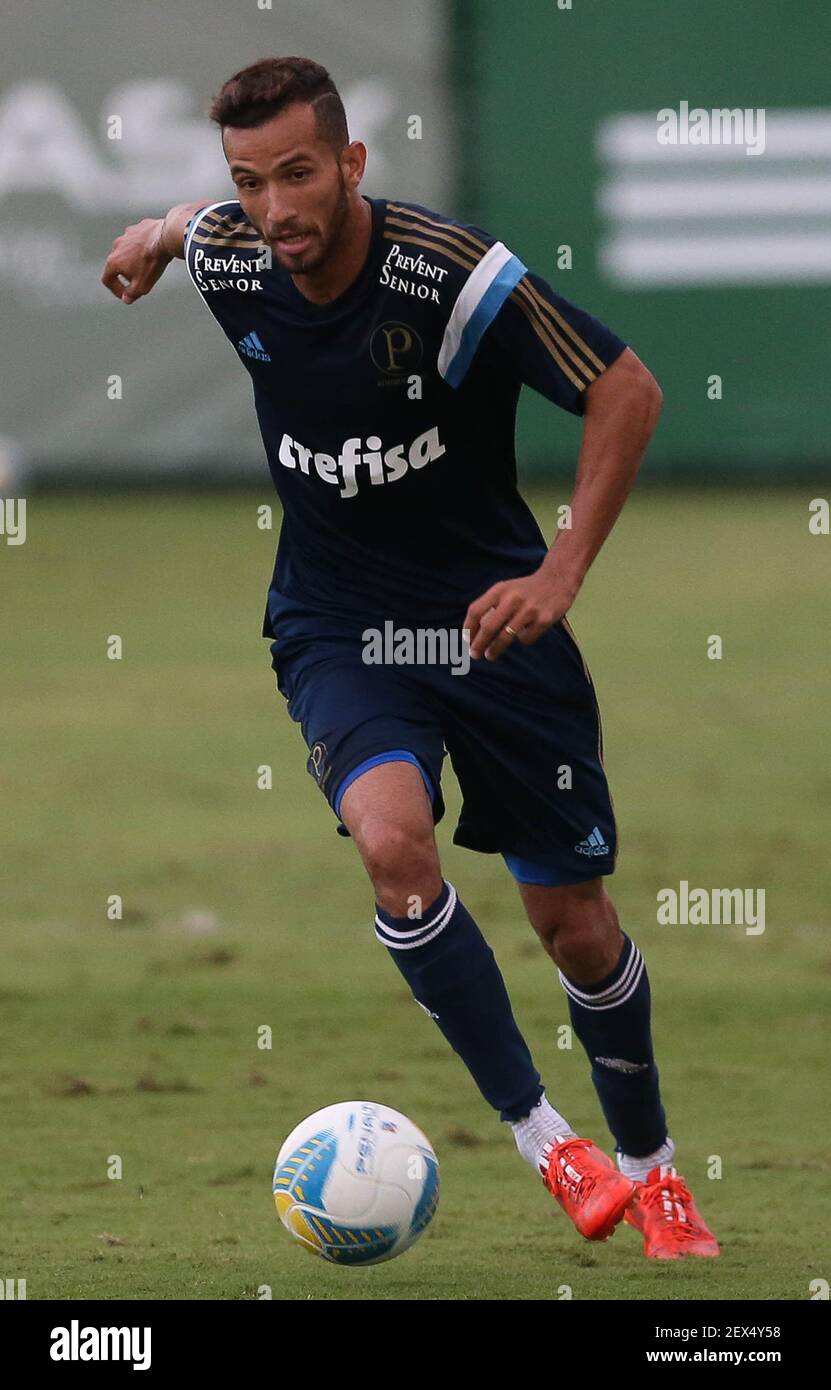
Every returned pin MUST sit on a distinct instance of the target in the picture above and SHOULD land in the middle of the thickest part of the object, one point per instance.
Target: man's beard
(314, 260)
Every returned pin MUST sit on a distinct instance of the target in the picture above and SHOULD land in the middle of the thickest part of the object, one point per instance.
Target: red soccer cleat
(663, 1209)
(588, 1187)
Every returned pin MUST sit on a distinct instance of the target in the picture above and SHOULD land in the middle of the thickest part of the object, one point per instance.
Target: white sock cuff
(539, 1131)
(639, 1168)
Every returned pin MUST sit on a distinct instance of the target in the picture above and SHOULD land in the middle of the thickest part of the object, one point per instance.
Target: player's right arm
(143, 252)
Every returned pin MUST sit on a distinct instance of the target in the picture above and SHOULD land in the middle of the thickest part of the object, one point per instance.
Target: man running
(387, 345)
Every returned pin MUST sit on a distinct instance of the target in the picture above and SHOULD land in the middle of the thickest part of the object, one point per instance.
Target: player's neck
(346, 263)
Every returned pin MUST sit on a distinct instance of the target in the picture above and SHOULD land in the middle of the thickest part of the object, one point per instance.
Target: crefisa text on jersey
(383, 468)
(416, 265)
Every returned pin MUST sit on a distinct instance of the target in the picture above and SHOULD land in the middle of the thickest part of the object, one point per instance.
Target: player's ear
(353, 163)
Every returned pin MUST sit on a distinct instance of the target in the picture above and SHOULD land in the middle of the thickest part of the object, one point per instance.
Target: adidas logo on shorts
(593, 846)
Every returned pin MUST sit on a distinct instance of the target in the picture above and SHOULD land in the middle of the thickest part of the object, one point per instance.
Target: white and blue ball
(356, 1183)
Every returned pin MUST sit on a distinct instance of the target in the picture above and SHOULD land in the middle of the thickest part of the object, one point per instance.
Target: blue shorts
(523, 735)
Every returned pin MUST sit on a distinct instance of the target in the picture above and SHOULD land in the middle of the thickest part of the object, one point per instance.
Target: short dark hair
(263, 89)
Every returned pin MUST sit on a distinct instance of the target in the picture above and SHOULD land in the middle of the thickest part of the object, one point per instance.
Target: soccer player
(387, 345)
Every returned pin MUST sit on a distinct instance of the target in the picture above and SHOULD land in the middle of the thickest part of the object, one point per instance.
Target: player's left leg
(605, 979)
(525, 740)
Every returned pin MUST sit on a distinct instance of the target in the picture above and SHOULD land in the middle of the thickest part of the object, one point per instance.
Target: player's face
(293, 187)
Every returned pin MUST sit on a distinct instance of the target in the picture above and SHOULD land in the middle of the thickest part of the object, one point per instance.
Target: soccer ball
(356, 1183)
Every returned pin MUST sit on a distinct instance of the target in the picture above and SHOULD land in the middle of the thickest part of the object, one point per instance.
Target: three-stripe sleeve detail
(479, 301)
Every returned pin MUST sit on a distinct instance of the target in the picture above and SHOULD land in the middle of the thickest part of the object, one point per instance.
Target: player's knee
(402, 862)
(578, 927)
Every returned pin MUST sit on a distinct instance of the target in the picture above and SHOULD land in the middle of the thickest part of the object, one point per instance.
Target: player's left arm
(620, 411)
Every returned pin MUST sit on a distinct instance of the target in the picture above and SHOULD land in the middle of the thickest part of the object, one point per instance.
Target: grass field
(243, 907)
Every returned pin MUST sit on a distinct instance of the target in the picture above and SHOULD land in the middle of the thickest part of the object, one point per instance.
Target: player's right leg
(453, 975)
(433, 939)
(376, 750)
(390, 817)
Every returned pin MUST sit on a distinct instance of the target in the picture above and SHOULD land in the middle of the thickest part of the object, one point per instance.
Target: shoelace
(674, 1190)
(587, 1181)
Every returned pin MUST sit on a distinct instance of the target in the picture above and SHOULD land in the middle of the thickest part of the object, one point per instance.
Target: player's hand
(530, 606)
(136, 261)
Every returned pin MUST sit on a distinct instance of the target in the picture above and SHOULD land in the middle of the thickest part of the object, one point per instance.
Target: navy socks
(612, 1020)
(453, 975)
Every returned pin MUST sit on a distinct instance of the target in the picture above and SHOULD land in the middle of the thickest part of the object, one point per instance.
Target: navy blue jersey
(388, 414)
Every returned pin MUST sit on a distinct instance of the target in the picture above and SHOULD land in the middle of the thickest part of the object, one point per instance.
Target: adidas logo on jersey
(593, 846)
(251, 346)
(378, 467)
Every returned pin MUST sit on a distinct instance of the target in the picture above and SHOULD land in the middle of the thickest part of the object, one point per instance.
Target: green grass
(139, 1038)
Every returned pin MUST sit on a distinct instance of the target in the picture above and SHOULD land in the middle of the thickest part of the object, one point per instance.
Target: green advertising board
(681, 154)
